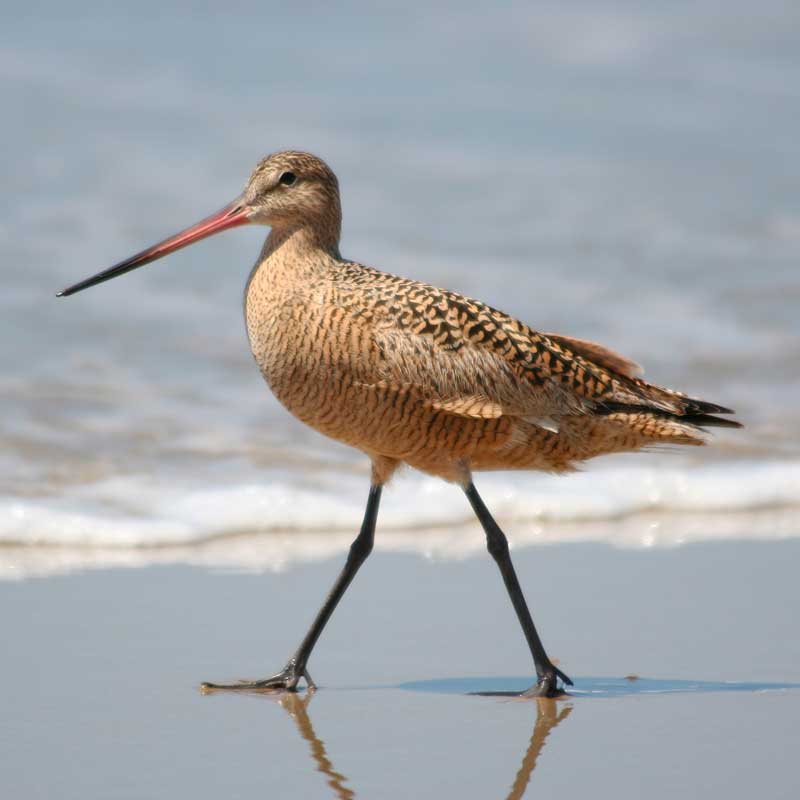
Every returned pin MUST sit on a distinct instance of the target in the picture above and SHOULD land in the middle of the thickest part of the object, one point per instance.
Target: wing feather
(465, 358)
(598, 354)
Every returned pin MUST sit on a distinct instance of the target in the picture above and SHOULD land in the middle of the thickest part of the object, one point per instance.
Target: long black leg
(295, 669)
(546, 673)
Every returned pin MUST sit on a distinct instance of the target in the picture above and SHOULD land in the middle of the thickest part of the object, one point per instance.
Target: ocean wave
(137, 520)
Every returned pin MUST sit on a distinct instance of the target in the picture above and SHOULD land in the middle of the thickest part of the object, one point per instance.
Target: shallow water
(628, 175)
(629, 686)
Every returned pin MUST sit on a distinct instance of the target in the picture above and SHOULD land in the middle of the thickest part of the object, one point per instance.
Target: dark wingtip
(702, 407)
(702, 414)
(710, 421)
(60, 294)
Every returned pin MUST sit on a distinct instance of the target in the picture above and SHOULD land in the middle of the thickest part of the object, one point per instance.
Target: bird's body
(412, 374)
(409, 373)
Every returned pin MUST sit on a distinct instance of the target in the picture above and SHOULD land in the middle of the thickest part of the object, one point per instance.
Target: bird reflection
(548, 717)
(297, 707)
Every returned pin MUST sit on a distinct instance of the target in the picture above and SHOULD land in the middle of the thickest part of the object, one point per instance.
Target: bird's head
(288, 190)
(292, 189)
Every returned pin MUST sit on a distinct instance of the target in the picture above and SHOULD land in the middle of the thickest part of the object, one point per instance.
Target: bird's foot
(284, 681)
(547, 685)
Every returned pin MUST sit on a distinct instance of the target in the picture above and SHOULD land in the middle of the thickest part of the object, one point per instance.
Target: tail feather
(660, 400)
(639, 414)
(695, 412)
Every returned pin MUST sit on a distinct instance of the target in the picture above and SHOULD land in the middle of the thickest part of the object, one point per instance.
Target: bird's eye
(288, 178)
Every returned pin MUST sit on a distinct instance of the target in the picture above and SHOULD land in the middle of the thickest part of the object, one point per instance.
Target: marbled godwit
(412, 374)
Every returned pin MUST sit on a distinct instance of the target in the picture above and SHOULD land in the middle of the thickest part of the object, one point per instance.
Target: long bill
(234, 214)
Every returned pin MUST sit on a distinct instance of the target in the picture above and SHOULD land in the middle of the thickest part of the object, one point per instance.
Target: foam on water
(139, 520)
(137, 510)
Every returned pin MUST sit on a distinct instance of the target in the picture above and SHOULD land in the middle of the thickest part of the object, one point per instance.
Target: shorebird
(415, 375)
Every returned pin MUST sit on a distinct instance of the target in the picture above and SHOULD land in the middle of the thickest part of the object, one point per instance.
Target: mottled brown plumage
(412, 374)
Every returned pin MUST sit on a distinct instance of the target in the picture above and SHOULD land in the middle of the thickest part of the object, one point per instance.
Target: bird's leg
(289, 677)
(547, 673)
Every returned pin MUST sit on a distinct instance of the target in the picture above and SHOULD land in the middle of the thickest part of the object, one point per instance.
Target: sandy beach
(101, 671)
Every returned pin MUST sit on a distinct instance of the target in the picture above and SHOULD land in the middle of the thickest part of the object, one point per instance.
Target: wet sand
(100, 673)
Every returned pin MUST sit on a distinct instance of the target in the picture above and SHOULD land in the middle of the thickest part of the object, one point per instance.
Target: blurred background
(625, 172)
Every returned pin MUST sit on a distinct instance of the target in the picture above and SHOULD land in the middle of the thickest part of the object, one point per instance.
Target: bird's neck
(301, 242)
(293, 256)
